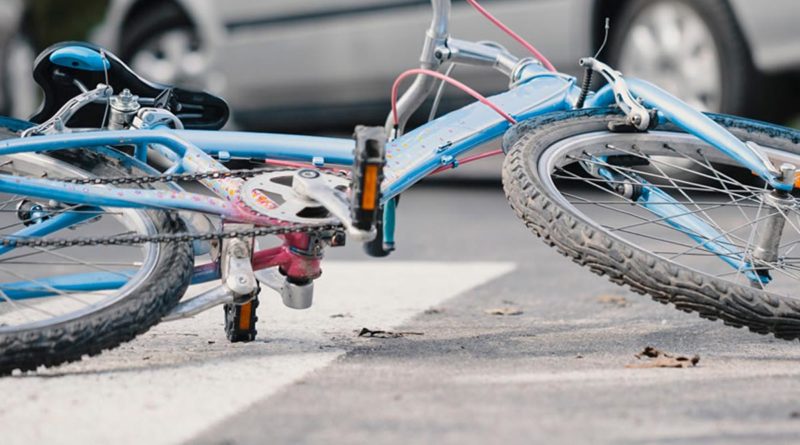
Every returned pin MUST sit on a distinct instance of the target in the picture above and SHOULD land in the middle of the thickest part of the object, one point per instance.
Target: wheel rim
(669, 44)
(36, 265)
(174, 57)
(711, 187)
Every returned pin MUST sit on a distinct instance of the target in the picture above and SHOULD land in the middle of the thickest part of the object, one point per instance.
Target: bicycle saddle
(58, 67)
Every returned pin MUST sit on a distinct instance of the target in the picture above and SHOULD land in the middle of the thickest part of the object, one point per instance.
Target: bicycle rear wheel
(58, 304)
(580, 186)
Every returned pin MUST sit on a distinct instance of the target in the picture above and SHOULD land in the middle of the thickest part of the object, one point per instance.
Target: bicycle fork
(777, 204)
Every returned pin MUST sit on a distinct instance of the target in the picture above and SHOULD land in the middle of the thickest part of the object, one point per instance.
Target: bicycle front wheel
(60, 303)
(664, 213)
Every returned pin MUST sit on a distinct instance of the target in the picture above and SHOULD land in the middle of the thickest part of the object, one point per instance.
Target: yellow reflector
(370, 193)
(244, 319)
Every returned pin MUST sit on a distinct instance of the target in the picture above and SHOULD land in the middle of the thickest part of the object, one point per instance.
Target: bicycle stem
(439, 48)
(412, 99)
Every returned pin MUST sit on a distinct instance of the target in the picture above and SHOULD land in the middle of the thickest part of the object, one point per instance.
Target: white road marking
(183, 377)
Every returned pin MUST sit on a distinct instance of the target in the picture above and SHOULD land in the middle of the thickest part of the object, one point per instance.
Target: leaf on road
(504, 311)
(613, 300)
(364, 332)
(653, 358)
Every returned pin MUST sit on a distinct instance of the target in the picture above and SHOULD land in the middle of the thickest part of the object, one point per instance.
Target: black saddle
(57, 68)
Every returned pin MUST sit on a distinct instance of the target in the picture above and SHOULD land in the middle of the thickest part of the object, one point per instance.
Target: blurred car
(321, 64)
(285, 63)
(28, 26)
(17, 91)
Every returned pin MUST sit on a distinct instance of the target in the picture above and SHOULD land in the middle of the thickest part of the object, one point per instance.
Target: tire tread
(644, 273)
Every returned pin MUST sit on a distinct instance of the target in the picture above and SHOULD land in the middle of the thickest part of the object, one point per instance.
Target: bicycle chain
(169, 237)
(130, 240)
(188, 177)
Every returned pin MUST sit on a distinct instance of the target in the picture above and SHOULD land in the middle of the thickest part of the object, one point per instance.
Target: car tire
(693, 48)
(162, 44)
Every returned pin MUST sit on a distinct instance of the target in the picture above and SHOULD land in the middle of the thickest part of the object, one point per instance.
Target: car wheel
(20, 92)
(163, 45)
(694, 49)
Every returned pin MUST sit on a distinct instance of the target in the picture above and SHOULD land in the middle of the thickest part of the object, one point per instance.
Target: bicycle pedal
(369, 160)
(240, 321)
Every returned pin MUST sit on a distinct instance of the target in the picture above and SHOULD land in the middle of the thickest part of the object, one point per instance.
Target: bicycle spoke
(44, 285)
(16, 306)
(23, 221)
(728, 232)
(80, 261)
(662, 219)
(10, 260)
(725, 187)
(693, 172)
(642, 218)
(705, 194)
(609, 182)
(5, 204)
(696, 186)
(703, 211)
(70, 263)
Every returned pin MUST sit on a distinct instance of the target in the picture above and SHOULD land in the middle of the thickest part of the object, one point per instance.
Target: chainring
(271, 194)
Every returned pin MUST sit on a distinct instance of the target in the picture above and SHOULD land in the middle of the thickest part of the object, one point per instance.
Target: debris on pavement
(654, 358)
(613, 300)
(369, 333)
(347, 315)
(433, 311)
(504, 311)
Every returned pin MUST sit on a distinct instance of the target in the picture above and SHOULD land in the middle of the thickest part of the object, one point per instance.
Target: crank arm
(309, 184)
(236, 265)
(239, 284)
(295, 296)
(203, 302)
(359, 211)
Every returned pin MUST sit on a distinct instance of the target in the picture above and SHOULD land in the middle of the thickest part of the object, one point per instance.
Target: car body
(11, 16)
(318, 65)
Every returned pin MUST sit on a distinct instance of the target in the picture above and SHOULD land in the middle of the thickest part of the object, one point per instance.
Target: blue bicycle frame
(410, 158)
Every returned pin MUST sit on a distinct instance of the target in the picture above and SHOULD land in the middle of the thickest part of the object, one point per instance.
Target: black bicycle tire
(628, 265)
(28, 349)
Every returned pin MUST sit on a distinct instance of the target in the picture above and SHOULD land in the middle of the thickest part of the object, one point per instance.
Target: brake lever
(637, 114)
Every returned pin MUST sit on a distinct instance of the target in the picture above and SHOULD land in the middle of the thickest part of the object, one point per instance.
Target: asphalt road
(554, 373)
